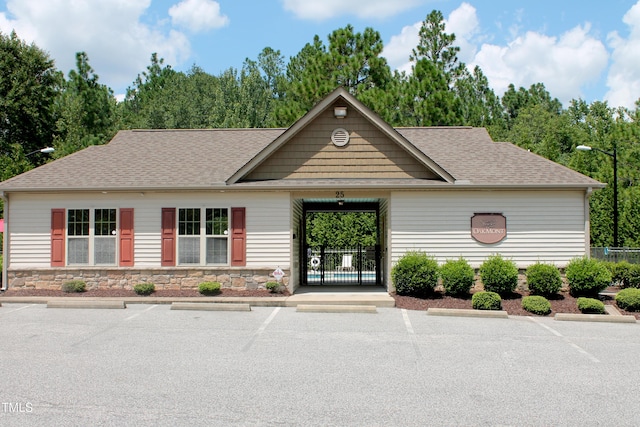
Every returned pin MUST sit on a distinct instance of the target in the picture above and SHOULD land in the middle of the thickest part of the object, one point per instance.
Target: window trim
(91, 238)
(203, 236)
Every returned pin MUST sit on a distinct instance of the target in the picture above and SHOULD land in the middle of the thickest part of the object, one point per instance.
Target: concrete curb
(254, 301)
(336, 299)
(594, 318)
(86, 304)
(342, 308)
(497, 314)
(382, 300)
(210, 306)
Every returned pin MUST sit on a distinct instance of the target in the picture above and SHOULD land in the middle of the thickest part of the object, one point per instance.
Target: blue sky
(579, 49)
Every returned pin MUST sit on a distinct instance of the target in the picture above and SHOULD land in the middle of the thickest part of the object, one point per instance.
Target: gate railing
(631, 255)
(343, 266)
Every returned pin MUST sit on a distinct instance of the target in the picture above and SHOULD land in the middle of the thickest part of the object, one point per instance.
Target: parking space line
(138, 314)
(567, 340)
(261, 329)
(17, 309)
(412, 335)
(548, 328)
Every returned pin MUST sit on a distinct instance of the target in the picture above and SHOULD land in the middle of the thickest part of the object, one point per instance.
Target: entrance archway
(341, 243)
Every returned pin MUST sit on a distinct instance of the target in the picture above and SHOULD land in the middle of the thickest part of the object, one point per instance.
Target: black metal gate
(344, 266)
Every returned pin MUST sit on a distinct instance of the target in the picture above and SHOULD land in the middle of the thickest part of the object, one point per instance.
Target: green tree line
(41, 106)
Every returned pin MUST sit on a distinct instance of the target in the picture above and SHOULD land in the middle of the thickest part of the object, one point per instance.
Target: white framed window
(91, 236)
(203, 231)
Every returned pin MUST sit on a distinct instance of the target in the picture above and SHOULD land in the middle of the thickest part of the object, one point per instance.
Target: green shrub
(144, 288)
(619, 273)
(74, 286)
(499, 275)
(633, 276)
(415, 274)
(457, 276)
(273, 287)
(543, 279)
(590, 305)
(209, 288)
(629, 299)
(587, 276)
(486, 301)
(536, 304)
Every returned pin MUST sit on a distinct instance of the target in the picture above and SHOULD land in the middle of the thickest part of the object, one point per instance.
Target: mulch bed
(128, 293)
(562, 303)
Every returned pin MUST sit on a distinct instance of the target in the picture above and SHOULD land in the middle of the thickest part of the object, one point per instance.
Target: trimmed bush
(415, 274)
(629, 299)
(633, 276)
(536, 304)
(209, 288)
(619, 273)
(486, 301)
(457, 276)
(499, 275)
(273, 287)
(590, 305)
(543, 279)
(144, 288)
(587, 277)
(74, 286)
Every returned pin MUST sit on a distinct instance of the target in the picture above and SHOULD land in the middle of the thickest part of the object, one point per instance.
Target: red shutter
(126, 237)
(168, 236)
(57, 237)
(238, 237)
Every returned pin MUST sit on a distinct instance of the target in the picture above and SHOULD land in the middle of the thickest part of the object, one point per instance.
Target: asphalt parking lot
(149, 365)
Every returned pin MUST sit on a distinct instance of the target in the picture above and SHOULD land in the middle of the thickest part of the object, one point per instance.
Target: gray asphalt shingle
(201, 159)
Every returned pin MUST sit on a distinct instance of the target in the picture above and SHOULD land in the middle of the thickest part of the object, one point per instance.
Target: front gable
(358, 146)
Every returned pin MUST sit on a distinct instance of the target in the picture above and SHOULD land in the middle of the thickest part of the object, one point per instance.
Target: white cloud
(326, 9)
(112, 33)
(564, 64)
(463, 22)
(399, 48)
(198, 15)
(623, 80)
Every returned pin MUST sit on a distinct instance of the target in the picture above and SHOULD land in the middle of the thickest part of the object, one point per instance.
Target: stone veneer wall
(116, 278)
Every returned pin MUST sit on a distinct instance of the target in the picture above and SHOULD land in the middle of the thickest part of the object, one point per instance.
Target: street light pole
(614, 155)
(46, 150)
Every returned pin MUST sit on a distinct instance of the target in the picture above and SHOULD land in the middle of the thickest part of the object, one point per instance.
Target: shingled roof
(146, 160)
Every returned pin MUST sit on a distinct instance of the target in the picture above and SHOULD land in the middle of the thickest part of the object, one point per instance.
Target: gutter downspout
(5, 240)
(587, 222)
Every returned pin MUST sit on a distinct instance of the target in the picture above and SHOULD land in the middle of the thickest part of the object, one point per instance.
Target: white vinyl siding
(547, 226)
(267, 223)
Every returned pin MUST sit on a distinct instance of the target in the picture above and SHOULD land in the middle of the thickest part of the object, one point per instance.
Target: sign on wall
(488, 228)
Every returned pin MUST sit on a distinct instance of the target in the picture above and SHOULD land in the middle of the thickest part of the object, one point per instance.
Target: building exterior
(179, 207)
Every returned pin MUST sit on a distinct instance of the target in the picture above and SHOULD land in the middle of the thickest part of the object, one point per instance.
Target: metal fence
(631, 255)
(351, 266)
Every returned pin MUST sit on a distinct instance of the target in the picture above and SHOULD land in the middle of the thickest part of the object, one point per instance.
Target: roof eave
(245, 187)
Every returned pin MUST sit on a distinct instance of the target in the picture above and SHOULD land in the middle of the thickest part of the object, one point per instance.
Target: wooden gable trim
(373, 118)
